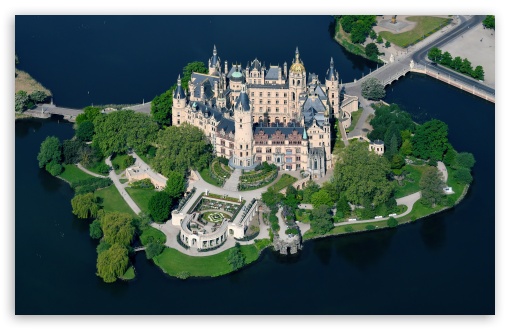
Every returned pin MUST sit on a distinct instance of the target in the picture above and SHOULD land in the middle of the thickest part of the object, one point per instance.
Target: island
(232, 160)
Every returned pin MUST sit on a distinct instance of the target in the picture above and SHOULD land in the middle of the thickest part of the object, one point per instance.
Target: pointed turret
(243, 101)
(179, 91)
(331, 74)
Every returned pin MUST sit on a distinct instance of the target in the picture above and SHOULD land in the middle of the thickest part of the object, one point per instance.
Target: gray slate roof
(179, 91)
(226, 124)
(285, 130)
(243, 101)
(198, 79)
(272, 73)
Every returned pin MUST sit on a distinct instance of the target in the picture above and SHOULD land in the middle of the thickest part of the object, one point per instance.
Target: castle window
(246, 147)
(241, 146)
(259, 150)
(288, 159)
(321, 136)
(260, 94)
(298, 150)
(222, 142)
(277, 102)
(288, 151)
(178, 121)
(268, 101)
(284, 101)
(284, 94)
(178, 114)
(260, 101)
(260, 108)
(231, 146)
(252, 94)
(333, 95)
(259, 158)
(268, 158)
(298, 158)
(278, 150)
(276, 94)
(277, 109)
(268, 94)
(223, 150)
(241, 154)
(268, 150)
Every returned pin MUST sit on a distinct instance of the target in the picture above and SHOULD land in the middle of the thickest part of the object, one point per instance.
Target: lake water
(440, 265)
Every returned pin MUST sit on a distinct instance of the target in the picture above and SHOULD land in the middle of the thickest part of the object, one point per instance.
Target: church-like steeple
(179, 91)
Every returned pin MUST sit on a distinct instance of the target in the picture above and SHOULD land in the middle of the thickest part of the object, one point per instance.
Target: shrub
(128, 161)
(54, 168)
(392, 222)
(95, 230)
(349, 229)
(142, 184)
(103, 168)
(369, 227)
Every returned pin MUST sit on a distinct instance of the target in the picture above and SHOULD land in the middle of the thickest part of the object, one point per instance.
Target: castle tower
(214, 63)
(297, 83)
(243, 148)
(333, 89)
(178, 104)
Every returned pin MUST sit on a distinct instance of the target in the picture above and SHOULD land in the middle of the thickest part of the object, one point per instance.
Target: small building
(377, 146)
(136, 173)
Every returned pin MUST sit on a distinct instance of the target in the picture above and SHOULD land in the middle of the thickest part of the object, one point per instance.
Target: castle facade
(273, 114)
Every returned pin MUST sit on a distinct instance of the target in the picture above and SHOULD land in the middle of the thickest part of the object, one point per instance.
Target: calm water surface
(441, 265)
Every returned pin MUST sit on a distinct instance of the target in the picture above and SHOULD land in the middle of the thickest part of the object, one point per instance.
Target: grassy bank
(354, 119)
(25, 82)
(284, 181)
(174, 263)
(415, 173)
(141, 197)
(73, 174)
(157, 235)
(129, 274)
(111, 200)
(344, 40)
(425, 26)
(206, 175)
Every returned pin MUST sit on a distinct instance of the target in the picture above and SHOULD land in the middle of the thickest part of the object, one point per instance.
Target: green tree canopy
(181, 148)
(159, 206)
(38, 96)
(435, 54)
(321, 198)
(54, 168)
(112, 263)
(465, 159)
(380, 40)
(362, 175)
(176, 184)
(372, 34)
(161, 107)
(462, 176)
(490, 22)
(50, 151)
(389, 121)
(85, 131)
(431, 185)
(466, 67)
(372, 89)
(71, 151)
(456, 63)
(120, 130)
(154, 249)
(387, 44)
(478, 73)
(117, 228)
(310, 188)
(446, 59)
(431, 140)
(95, 230)
(321, 220)
(89, 114)
(20, 101)
(85, 206)
(392, 222)
(272, 197)
(236, 258)
(371, 50)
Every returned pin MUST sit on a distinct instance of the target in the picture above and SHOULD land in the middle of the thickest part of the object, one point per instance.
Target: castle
(258, 114)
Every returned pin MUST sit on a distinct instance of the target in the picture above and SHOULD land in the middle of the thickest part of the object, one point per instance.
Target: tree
(372, 89)
(450, 156)
(387, 44)
(89, 114)
(380, 39)
(176, 184)
(154, 249)
(95, 229)
(120, 130)
(54, 168)
(117, 228)
(71, 151)
(392, 222)
(343, 206)
(271, 197)
(431, 140)
(321, 198)
(431, 185)
(128, 161)
(310, 188)
(456, 63)
(197, 67)
(38, 96)
(102, 246)
(85, 131)
(236, 258)
(466, 67)
(407, 148)
(321, 220)
(362, 175)
(161, 107)
(112, 263)
(446, 59)
(372, 34)
(85, 206)
(50, 151)
(397, 161)
(490, 22)
(347, 22)
(435, 54)
(159, 206)
(181, 148)
(464, 159)
(463, 176)
(371, 50)
(478, 73)
(20, 101)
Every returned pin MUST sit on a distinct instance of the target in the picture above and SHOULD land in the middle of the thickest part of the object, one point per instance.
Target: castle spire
(331, 64)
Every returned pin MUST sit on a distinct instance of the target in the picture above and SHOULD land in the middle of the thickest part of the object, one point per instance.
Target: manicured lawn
(304, 217)
(209, 179)
(73, 174)
(173, 262)
(283, 182)
(415, 173)
(154, 233)
(112, 200)
(129, 274)
(119, 160)
(457, 188)
(355, 118)
(141, 197)
(94, 167)
(424, 26)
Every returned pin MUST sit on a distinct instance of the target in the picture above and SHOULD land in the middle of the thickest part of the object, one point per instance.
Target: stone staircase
(233, 181)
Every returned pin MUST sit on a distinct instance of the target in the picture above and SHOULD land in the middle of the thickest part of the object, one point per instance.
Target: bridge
(139, 248)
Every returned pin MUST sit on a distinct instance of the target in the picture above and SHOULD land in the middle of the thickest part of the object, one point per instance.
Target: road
(420, 55)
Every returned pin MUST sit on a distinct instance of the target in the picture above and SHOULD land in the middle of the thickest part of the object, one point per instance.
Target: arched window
(299, 82)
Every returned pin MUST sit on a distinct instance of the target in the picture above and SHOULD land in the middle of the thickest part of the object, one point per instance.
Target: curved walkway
(120, 188)
(80, 166)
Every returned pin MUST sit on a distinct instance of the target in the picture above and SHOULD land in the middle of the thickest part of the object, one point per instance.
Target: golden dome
(297, 67)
